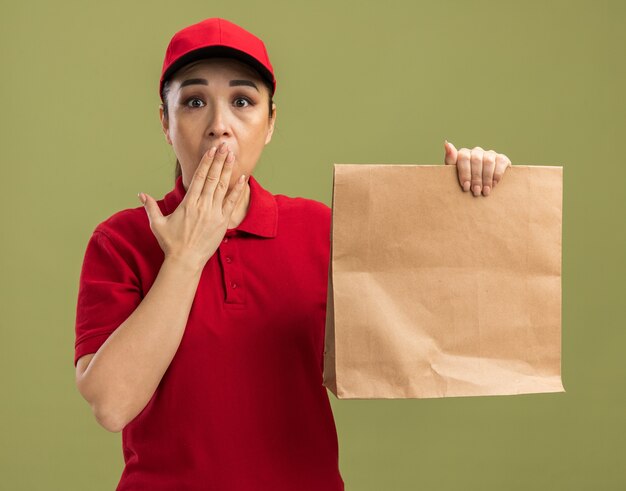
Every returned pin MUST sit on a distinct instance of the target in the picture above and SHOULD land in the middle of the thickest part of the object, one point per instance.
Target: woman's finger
(476, 161)
(199, 177)
(489, 164)
(224, 182)
(502, 163)
(464, 169)
(231, 199)
(451, 153)
(213, 177)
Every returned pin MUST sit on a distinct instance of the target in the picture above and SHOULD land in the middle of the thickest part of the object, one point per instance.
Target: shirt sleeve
(109, 291)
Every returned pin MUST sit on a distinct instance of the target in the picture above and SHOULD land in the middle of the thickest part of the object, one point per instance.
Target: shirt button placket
(232, 270)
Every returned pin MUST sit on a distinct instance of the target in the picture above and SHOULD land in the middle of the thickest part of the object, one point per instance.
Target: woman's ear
(164, 124)
(270, 131)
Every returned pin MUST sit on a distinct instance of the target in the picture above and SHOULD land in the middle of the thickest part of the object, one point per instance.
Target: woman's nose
(219, 119)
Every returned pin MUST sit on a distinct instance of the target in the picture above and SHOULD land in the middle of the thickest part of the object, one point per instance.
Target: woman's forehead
(218, 65)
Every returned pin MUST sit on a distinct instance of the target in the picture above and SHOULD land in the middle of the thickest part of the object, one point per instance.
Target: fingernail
(476, 189)
(486, 190)
(142, 198)
(466, 186)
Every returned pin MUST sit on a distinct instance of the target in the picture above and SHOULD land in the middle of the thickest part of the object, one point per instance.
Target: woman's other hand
(478, 170)
(194, 231)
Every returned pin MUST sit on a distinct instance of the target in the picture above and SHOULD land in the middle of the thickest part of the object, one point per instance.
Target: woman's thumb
(152, 209)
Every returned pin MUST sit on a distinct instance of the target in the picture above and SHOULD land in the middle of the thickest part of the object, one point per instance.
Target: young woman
(200, 316)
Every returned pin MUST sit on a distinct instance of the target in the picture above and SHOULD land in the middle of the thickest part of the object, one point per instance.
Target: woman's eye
(192, 99)
(243, 99)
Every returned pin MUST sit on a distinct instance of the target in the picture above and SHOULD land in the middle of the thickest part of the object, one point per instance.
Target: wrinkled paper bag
(436, 293)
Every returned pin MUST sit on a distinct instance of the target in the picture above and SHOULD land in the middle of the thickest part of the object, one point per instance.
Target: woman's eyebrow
(204, 81)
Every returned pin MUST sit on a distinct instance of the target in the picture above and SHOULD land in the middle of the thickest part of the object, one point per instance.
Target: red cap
(216, 37)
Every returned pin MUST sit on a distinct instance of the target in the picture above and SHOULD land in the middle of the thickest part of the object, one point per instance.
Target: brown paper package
(433, 292)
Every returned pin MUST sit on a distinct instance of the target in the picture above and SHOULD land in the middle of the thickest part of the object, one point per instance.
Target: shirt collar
(262, 215)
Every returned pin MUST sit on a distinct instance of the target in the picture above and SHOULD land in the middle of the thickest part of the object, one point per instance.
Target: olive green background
(358, 82)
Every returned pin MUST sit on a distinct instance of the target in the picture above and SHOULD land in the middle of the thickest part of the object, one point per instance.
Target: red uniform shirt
(242, 405)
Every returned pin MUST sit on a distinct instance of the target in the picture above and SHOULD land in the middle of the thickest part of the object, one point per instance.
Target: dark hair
(165, 91)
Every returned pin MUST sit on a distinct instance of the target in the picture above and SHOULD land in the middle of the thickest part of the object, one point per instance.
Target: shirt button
(234, 285)
(225, 240)
(228, 259)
